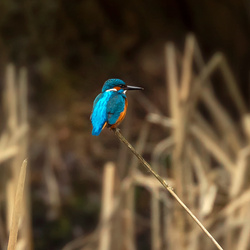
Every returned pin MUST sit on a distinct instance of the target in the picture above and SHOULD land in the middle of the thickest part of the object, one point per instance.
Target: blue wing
(100, 114)
(115, 106)
(94, 104)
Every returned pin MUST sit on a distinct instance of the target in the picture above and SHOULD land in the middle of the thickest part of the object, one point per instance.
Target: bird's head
(116, 85)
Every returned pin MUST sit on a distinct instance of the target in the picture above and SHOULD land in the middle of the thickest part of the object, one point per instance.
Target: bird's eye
(121, 85)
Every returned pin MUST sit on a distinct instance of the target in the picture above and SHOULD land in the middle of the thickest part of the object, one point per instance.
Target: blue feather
(99, 115)
(111, 83)
(115, 106)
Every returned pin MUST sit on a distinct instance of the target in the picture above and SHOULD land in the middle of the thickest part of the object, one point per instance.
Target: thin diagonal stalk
(165, 185)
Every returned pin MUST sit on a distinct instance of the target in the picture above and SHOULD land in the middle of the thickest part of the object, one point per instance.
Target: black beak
(133, 88)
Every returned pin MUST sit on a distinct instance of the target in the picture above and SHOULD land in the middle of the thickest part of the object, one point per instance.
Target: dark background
(70, 48)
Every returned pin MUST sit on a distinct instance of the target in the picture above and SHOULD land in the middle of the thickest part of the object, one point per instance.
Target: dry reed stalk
(233, 89)
(160, 119)
(173, 81)
(181, 111)
(214, 148)
(202, 79)
(235, 204)
(178, 113)
(193, 242)
(210, 68)
(229, 237)
(238, 181)
(18, 134)
(232, 86)
(13, 144)
(218, 111)
(23, 117)
(244, 239)
(4, 140)
(186, 74)
(168, 235)
(228, 210)
(165, 185)
(246, 126)
(129, 234)
(199, 170)
(205, 127)
(208, 138)
(10, 103)
(107, 205)
(207, 190)
(156, 235)
(234, 163)
(128, 216)
(200, 62)
(23, 95)
(188, 99)
(148, 182)
(17, 209)
(8, 153)
(191, 186)
(11, 98)
(223, 120)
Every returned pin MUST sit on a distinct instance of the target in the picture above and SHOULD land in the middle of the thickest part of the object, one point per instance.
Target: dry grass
(206, 161)
(17, 209)
(13, 150)
(209, 165)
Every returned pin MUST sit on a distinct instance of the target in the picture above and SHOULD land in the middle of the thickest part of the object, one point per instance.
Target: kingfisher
(110, 106)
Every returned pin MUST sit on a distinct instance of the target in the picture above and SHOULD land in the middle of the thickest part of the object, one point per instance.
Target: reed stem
(165, 185)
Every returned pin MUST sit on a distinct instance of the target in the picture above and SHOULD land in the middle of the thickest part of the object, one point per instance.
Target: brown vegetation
(204, 157)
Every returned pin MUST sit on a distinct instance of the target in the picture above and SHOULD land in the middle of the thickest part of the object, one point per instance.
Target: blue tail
(96, 131)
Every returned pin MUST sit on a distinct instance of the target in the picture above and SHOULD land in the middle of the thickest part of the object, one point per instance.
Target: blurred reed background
(192, 124)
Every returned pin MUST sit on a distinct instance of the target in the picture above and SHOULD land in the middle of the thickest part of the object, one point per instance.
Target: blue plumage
(99, 115)
(109, 107)
(111, 83)
(115, 106)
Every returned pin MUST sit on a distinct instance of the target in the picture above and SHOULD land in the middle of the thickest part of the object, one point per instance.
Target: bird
(110, 106)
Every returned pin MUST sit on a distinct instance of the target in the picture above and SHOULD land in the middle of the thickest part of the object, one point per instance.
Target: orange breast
(122, 115)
